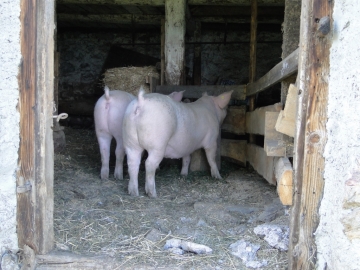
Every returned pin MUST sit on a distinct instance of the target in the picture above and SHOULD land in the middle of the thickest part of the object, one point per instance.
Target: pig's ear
(223, 100)
(177, 96)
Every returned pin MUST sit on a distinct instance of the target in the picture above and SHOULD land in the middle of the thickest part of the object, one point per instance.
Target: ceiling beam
(155, 19)
(162, 2)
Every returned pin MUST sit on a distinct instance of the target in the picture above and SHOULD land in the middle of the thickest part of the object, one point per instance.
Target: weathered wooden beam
(234, 121)
(263, 164)
(162, 2)
(174, 41)
(35, 177)
(255, 121)
(310, 134)
(196, 91)
(115, 2)
(282, 70)
(273, 144)
(284, 179)
(110, 18)
(235, 149)
(287, 118)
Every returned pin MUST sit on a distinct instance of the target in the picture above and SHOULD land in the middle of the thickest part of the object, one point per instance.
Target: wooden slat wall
(310, 136)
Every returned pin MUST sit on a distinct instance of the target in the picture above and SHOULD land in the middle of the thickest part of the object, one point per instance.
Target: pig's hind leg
(210, 155)
(120, 154)
(185, 165)
(104, 144)
(151, 164)
(133, 161)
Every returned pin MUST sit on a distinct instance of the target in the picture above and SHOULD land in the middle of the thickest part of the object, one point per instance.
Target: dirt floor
(95, 217)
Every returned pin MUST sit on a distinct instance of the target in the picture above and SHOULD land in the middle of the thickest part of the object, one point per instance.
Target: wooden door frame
(310, 135)
(35, 195)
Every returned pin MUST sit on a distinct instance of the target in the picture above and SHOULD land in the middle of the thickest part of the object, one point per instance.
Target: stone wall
(338, 234)
(10, 58)
(82, 57)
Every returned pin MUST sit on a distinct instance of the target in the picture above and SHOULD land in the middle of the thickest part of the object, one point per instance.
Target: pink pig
(108, 116)
(166, 128)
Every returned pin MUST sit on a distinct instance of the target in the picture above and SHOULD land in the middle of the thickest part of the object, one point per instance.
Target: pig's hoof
(118, 176)
(134, 193)
(104, 175)
(152, 194)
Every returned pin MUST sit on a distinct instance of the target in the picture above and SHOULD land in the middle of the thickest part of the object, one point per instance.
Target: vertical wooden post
(36, 161)
(252, 63)
(162, 72)
(197, 54)
(174, 41)
(310, 136)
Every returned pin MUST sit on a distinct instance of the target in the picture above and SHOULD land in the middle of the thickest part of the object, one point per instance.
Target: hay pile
(129, 79)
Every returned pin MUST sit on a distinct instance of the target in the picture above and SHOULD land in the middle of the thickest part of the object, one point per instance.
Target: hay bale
(129, 79)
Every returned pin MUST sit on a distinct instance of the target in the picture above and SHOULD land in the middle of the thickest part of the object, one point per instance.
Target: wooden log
(235, 149)
(284, 179)
(196, 91)
(234, 121)
(282, 70)
(174, 41)
(287, 118)
(273, 140)
(263, 164)
(255, 121)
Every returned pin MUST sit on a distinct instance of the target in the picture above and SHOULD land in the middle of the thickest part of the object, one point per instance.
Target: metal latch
(60, 116)
(24, 188)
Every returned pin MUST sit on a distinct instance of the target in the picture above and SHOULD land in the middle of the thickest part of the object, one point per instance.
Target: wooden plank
(252, 62)
(281, 71)
(286, 121)
(197, 55)
(162, 52)
(255, 121)
(235, 149)
(284, 179)
(273, 143)
(35, 207)
(27, 83)
(196, 91)
(310, 134)
(174, 41)
(263, 164)
(234, 121)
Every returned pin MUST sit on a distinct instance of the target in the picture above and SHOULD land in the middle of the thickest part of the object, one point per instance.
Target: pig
(108, 116)
(166, 128)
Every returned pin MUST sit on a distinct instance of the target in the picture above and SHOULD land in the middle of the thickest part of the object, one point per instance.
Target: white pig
(166, 128)
(108, 116)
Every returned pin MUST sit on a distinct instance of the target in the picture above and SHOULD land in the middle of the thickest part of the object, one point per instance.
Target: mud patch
(99, 218)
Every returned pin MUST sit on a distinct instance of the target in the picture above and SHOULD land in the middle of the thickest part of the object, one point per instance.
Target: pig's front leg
(185, 165)
(120, 154)
(151, 164)
(104, 145)
(210, 155)
(133, 160)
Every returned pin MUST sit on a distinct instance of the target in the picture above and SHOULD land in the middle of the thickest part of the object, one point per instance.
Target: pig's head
(221, 102)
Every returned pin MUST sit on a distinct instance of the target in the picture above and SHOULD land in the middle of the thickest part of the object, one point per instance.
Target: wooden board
(255, 121)
(263, 164)
(273, 143)
(284, 179)
(310, 134)
(235, 149)
(234, 121)
(287, 118)
(36, 153)
(196, 91)
(281, 71)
